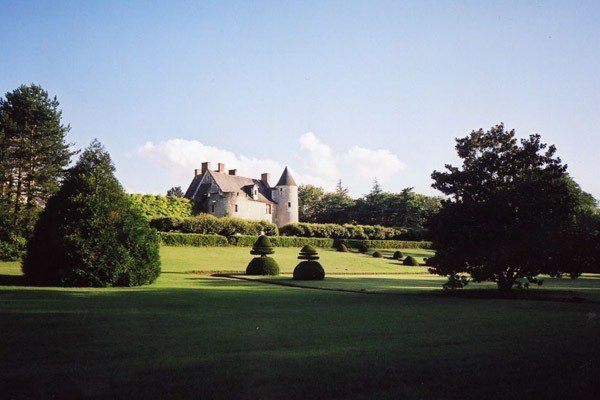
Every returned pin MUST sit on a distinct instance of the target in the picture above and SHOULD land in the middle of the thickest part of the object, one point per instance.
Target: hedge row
(336, 231)
(154, 206)
(209, 224)
(193, 239)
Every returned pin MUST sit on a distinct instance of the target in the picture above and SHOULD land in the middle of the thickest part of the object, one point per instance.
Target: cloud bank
(315, 163)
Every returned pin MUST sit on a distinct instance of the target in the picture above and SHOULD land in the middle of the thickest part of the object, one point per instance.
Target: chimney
(221, 168)
(232, 171)
(265, 178)
(205, 166)
(196, 172)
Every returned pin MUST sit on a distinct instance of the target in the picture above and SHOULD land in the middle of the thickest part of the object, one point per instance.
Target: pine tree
(90, 234)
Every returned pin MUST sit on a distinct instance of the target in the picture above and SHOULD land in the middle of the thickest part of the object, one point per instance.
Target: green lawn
(195, 336)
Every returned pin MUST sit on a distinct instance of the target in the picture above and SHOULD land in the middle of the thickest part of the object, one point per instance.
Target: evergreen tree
(175, 192)
(89, 234)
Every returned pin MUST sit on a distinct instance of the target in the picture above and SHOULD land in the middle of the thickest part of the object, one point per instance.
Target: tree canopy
(512, 211)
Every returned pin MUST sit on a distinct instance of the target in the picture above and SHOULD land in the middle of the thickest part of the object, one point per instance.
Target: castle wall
(287, 205)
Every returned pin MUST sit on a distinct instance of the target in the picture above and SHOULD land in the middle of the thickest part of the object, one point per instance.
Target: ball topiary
(342, 248)
(310, 269)
(362, 248)
(410, 260)
(398, 255)
(90, 233)
(377, 254)
(262, 265)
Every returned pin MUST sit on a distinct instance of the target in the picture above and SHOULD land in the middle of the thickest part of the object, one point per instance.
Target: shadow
(12, 280)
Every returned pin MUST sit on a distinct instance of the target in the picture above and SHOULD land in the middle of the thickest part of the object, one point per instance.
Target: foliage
(281, 241)
(377, 254)
(155, 206)
(398, 255)
(342, 248)
(411, 261)
(166, 224)
(337, 231)
(309, 199)
(262, 266)
(209, 224)
(90, 234)
(309, 271)
(262, 246)
(456, 281)
(512, 211)
(33, 156)
(191, 239)
(362, 247)
(175, 191)
(308, 252)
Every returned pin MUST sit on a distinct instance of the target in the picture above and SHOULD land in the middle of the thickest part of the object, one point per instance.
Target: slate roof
(286, 179)
(231, 184)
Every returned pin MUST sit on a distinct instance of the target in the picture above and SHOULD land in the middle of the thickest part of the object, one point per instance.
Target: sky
(335, 90)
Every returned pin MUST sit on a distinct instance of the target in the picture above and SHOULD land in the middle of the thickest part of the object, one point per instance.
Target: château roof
(230, 184)
(286, 179)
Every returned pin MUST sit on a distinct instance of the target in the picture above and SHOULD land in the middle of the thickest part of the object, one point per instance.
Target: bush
(347, 231)
(191, 239)
(377, 254)
(90, 234)
(410, 260)
(398, 255)
(153, 206)
(262, 247)
(281, 241)
(12, 247)
(308, 253)
(209, 224)
(166, 224)
(342, 248)
(309, 271)
(362, 248)
(262, 266)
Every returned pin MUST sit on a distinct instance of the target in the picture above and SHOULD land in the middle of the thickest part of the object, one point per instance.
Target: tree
(509, 209)
(175, 192)
(262, 265)
(309, 198)
(90, 234)
(309, 269)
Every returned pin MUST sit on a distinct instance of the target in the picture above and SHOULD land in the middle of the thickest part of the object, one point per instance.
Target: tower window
(212, 208)
(268, 209)
(236, 208)
(289, 204)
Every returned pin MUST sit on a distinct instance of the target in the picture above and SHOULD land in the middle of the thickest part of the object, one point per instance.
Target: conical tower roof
(286, 179)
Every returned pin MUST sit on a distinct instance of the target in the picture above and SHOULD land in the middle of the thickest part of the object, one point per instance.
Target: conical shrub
(310, 269)
(411, 261)
(398, 255)
(262, 246)
(262, 265)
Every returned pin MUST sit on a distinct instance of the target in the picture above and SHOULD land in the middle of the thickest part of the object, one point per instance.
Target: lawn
(196, 336)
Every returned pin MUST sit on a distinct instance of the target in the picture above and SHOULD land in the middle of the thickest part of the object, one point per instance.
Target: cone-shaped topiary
(311, 269)
(90, 234)
(262, 265)
(362, 248)
(377, 254)
(398, 255)
(410, 260)
(342, 248)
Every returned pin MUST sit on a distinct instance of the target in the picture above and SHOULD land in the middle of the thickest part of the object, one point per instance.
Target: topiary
(90, 233)
(362, 248)
(262, 265)
(410, 260)
(310, 269)
(377, 254)
(342, 248)
(398, 255)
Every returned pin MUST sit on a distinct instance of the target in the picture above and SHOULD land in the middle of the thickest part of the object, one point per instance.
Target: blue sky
(351, 90)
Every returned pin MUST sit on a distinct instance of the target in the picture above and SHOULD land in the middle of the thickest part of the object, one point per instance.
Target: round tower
(285, 194)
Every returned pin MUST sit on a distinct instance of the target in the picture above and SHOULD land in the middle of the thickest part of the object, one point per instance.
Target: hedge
(209, 224)
(336, 231)
(154, 206)
(194, 239)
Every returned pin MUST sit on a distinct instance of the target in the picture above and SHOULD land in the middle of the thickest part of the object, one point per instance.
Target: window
(212, 208)
(280, 190)
(289, 204)
(236, 208)
(268, 209)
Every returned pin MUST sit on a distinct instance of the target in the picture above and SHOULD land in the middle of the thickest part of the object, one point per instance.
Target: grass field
(196, 336)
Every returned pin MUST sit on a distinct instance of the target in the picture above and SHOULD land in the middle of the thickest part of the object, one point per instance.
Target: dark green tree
(309, 269)
(309, 199)
(262, 265)
(175, 192)
(89, 234)
(509, 210)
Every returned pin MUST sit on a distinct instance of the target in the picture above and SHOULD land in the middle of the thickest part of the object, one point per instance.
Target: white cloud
(315, 163)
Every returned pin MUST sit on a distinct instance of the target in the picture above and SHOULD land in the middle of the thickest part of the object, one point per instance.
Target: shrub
(202, 223)
(377, 254)
(90, 234)
(308, 253)
(281, 241)
(12, 247)
(346, 231)
(262, 247)
(342, 248)
(309, 271)
(191, 239)
(262, 266)
(362, 248)
(410, 260)
(209, 224)
(456, 281)
(166, 224)
(153, 206)
(398, 255)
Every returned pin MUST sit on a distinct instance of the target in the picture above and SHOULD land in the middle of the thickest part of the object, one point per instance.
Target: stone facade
(223, 193)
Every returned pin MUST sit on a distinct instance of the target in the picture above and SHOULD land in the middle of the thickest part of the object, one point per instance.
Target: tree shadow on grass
(12, 280)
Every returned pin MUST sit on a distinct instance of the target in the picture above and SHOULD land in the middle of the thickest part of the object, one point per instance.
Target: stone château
(222, 193)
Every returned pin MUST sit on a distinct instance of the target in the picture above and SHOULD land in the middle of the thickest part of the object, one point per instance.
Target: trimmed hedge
(336, 231)
(377, 254)
(385, 244)
(191, 239)
(281, 241)
(154, 206)
(411, 261)
(309, 271)
(262, 266)
(209, 224)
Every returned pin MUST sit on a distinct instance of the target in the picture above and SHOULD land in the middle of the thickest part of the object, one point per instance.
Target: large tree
(33, 153)
(511, 208)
